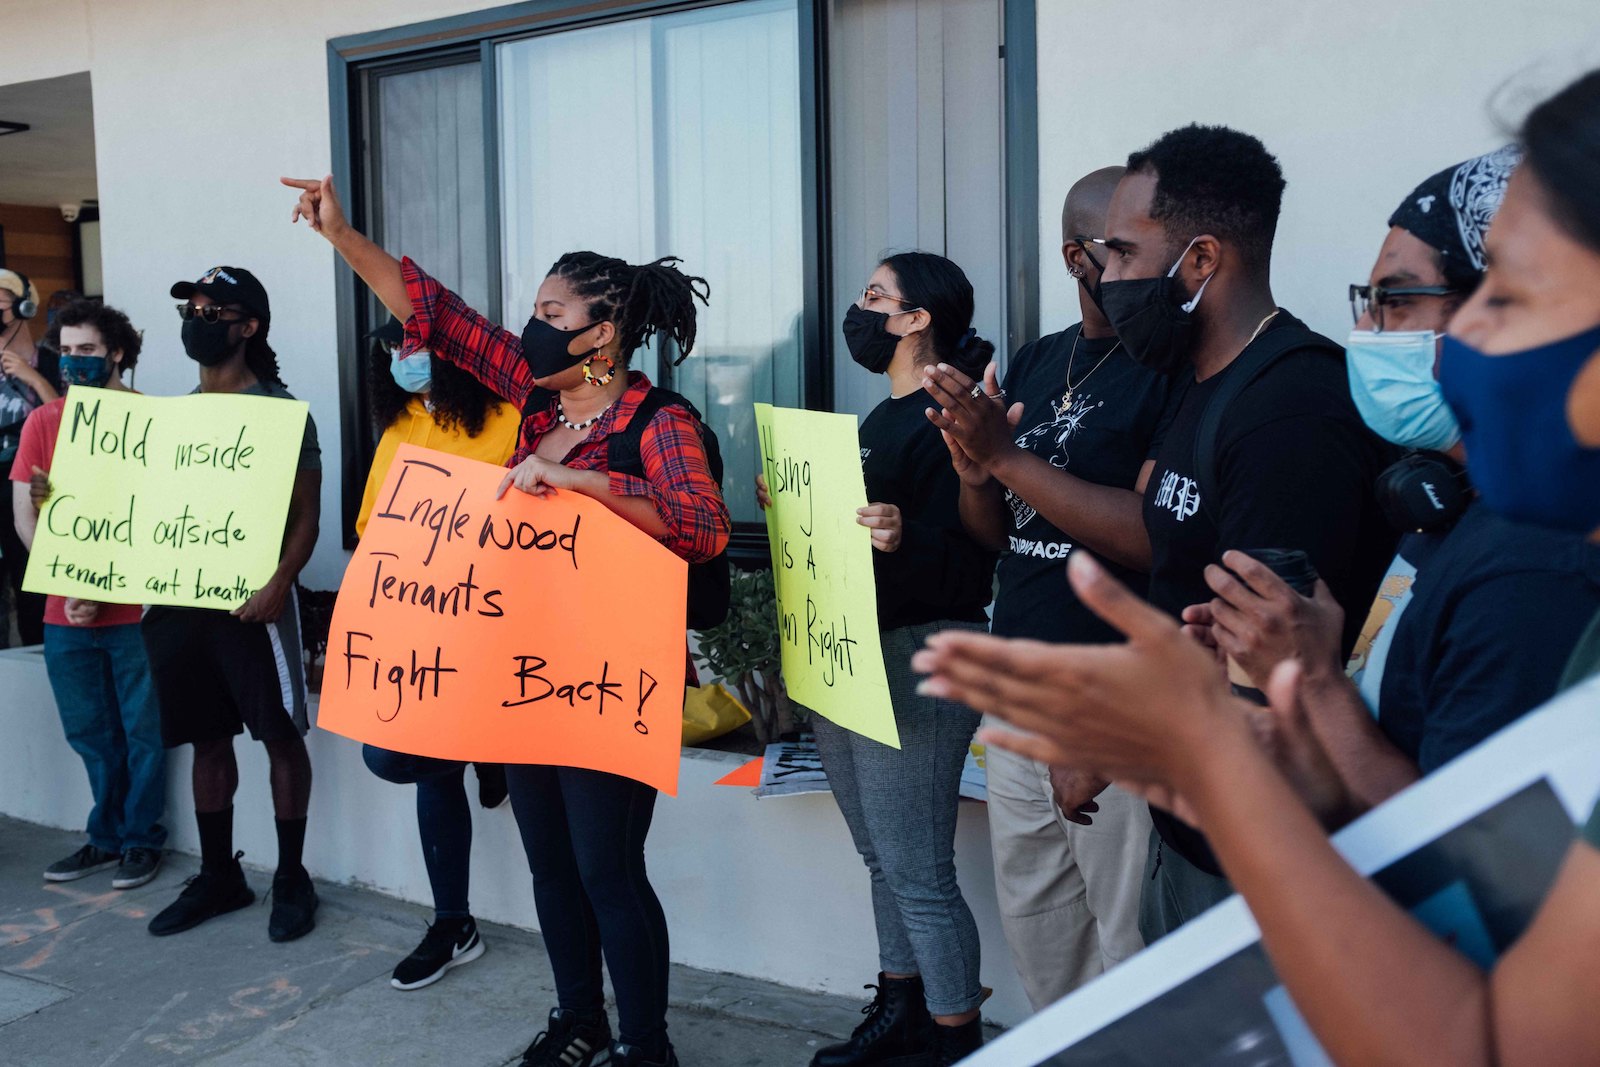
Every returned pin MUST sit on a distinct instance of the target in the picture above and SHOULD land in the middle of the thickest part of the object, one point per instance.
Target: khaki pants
(1069, 894)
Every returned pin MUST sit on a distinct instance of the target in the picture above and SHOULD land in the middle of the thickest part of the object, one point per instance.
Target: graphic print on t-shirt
(1057, 431)
(1178, 494)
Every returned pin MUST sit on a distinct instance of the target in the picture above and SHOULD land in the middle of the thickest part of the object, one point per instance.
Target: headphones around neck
(24, 306)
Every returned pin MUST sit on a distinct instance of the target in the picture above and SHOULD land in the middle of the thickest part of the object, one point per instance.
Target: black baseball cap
(229, 285)
(391, 332)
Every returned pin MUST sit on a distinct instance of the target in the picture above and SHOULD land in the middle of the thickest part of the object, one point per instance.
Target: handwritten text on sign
(822, 562)
(518, 630)
(167, 500)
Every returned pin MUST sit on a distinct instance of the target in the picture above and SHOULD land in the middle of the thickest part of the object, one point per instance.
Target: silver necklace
(1066, 397)
(561, 417)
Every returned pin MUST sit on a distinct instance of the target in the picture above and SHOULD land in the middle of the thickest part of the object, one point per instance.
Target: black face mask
(208, 343)
(1152, 318)
(1094, 289)
(867, 335)
(545, 348)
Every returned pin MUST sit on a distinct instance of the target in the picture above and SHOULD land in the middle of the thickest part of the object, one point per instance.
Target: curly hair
(459, 400)
(642, 300)
(1216, 180)
(116, 332)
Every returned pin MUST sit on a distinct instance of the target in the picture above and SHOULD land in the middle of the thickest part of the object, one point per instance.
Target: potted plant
(743, 652)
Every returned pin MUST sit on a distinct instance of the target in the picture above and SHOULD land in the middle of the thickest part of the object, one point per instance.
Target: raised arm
(319, 206)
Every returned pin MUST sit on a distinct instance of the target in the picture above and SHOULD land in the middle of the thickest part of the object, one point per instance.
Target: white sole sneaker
(466, 955)
(82, 872)
(135, 883)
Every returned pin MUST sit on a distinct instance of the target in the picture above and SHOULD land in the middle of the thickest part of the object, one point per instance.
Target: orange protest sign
(520, 630)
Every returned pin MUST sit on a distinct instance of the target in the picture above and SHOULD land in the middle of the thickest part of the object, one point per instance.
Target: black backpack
(710, 583)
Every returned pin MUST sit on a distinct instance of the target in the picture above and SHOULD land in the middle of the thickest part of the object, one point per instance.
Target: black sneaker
(448, 943)
(492, 791)
(205, 896)
(634, 1056)
(572, 1040)
(138, 866)
(294, 905)
(82, 863)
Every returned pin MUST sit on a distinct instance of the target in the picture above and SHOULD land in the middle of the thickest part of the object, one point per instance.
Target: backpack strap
(1251, 364)
(625, 447)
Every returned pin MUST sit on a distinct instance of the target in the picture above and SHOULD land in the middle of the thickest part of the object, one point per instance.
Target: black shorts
(215, 675)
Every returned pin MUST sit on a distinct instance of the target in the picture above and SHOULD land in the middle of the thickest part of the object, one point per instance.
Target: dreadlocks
(259, 356)
(643, 301)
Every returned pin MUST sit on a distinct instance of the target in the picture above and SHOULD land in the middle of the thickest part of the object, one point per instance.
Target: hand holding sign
(507, 629)
(165, 500)
(821, 533)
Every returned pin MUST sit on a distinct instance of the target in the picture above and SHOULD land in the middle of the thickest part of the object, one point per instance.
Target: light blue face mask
(1392, 383)
(414, 373)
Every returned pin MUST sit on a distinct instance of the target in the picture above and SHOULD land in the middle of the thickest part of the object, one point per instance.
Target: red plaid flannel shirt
(677, 478)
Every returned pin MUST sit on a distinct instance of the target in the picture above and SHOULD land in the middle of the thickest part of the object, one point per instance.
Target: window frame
(356, 61)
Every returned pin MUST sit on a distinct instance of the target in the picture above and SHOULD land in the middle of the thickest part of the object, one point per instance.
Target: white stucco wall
(767, 888)
(1359, 100)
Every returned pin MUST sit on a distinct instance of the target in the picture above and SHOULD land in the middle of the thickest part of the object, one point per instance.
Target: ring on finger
(977, 391)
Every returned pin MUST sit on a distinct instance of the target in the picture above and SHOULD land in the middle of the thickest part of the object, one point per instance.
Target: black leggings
(584, 834)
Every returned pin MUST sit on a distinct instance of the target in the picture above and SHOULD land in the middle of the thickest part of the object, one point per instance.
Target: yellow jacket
(415, 426)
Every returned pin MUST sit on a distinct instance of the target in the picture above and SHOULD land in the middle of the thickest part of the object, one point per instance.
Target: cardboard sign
(822, 565)
(520, 630)
(1470, 851)
(175, 500)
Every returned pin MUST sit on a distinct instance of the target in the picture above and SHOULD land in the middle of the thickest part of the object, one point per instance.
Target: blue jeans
(900, 805)
(444, 821)
(101, 681)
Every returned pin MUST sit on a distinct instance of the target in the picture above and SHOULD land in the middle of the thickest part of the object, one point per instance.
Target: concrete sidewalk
(83, 983)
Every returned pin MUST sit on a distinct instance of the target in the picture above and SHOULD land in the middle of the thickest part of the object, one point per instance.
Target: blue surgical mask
(1392, 383)
(414, 373)
(1521, 453)
(85, 370)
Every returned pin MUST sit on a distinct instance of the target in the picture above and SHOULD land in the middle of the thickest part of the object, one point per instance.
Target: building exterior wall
(1359, 100)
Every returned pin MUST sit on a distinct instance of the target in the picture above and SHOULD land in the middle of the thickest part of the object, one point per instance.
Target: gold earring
(599, 380)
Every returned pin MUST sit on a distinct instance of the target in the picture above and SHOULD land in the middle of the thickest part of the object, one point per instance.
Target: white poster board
(1471, 851)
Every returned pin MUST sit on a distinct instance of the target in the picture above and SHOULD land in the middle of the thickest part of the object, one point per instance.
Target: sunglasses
(211, 313)
(872, 292)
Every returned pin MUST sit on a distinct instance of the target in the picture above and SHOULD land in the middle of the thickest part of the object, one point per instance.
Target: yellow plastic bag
(711, 711)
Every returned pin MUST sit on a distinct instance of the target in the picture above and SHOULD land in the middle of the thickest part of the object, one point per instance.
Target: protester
(420, 399)
(1521, 372)
(1475, 620)
(216, 672)
(1266, 449)
(22, 389)
(901, 804)
(92, 651)
(583, 830)
(1069, 851)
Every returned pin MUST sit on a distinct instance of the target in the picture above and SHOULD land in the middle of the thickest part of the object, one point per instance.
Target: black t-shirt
(1104, 437)
(1495, 613)
(938, 572)
(1295, 467)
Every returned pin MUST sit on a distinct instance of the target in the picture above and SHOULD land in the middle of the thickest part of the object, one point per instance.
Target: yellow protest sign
(519, 630)
(166, 500)
(822, 563)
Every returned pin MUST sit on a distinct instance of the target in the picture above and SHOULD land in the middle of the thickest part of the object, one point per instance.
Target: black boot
(952, 1044)
(897, 1031)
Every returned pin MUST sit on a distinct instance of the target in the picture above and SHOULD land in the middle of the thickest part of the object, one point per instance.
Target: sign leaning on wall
(822, 569)
(175, 500)
(518, 630)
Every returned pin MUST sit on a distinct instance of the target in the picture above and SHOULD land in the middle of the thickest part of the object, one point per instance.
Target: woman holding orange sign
(583, 830)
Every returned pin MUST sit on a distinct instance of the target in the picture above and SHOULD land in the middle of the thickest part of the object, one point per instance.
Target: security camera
(69, 212)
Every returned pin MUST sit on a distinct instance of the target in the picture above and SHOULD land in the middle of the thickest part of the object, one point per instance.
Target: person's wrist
(1003, 463)
(1207, 747)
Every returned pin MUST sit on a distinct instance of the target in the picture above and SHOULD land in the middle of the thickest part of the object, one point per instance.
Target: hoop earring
(599, 380)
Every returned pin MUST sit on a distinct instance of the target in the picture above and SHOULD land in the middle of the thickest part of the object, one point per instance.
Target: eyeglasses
(872, 292)
(210, 313)
(1372, 299)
